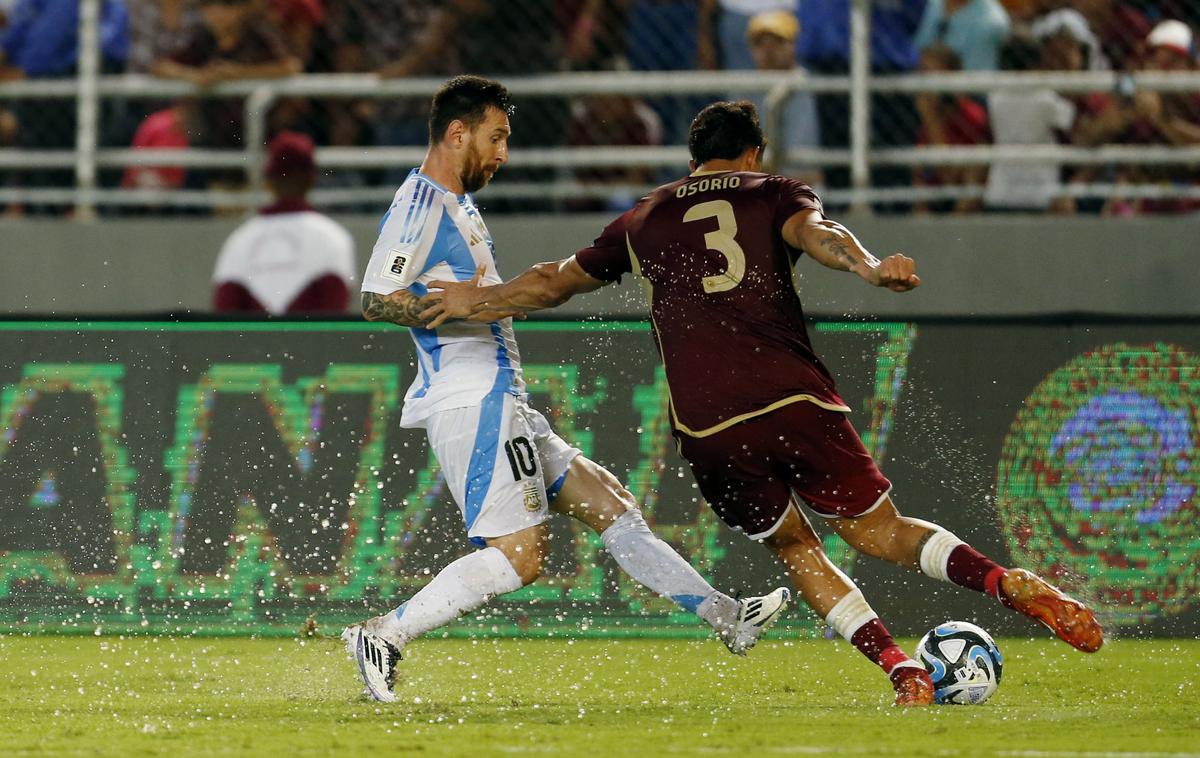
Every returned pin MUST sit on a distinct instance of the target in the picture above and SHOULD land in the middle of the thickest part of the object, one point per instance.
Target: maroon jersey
(726, 316)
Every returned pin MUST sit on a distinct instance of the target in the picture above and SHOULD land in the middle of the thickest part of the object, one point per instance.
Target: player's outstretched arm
(835, 246)
(543, 285)
(400, 307)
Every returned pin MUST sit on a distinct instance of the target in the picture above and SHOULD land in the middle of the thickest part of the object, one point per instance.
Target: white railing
(89, 89)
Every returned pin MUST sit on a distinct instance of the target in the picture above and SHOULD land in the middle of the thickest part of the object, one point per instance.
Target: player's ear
(692, 166)
(456, 133)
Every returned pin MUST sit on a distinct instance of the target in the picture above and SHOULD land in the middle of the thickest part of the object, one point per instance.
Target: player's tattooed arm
(543, 285)
(400, 307)
(835, 246)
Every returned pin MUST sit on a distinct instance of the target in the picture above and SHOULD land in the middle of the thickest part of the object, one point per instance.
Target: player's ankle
(719, 610)
(994, 586)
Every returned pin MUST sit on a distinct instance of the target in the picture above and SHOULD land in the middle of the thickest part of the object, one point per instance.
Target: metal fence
(860, 164)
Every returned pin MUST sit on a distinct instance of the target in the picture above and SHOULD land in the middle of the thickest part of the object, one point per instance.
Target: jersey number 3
(722, 240)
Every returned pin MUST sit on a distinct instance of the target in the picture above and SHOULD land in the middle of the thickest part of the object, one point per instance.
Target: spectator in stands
(607, 121)
(1120, 27)
(974, 29)
(672, 35)
(41, 41)
(771, 39)
(289, 258)
(734, 23)
(298, 21)
(594, 33)
(1068, 43)
(165, 129)
(1152, 118)
(158, 28)
(235, 42)
(1146, 117)
(948, 119)
(414, 38)
(824, 48)
(1031, 117)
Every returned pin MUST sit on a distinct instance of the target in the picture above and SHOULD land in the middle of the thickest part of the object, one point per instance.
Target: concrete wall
(1002, 265)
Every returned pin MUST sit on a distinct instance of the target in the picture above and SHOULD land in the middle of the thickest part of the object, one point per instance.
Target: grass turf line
(159, 696)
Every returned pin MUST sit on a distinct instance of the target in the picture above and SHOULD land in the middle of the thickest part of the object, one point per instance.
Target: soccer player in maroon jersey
(756, 413)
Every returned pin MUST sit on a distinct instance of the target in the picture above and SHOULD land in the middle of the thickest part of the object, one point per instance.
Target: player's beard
(474, 176)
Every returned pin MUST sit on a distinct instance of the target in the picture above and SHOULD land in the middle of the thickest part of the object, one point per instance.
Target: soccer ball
(963, 662)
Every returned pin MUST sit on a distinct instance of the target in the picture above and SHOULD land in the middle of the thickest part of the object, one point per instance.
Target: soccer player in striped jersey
(755, 411)
(504, 465)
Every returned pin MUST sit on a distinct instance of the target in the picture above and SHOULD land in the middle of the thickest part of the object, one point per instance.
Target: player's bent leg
(593, 495)
(885, 533)
(507, 564)
(835, 597)
(882, 532)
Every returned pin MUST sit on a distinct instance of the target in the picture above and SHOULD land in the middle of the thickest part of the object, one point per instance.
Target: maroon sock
(969, 568)
(875, 642)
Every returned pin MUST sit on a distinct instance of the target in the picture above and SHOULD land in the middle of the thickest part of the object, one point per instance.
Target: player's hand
(897, 273)
(451, 300)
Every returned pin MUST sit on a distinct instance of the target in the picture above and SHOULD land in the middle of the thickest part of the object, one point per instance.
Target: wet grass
(153, 696)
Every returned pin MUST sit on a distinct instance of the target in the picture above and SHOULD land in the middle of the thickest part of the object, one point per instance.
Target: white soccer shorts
(502, 462)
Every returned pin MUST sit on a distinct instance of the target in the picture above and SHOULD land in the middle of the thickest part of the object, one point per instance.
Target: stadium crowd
(210, 41)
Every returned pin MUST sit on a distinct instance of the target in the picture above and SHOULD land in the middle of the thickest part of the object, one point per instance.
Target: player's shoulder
(418, 188)
(414, 211)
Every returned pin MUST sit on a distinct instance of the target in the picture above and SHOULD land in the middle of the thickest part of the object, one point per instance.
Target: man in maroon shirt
(755, 411)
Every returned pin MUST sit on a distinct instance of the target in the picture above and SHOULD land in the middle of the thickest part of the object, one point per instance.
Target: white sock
(654, 564)
(458, 589)
(935, 553)
(849, 614)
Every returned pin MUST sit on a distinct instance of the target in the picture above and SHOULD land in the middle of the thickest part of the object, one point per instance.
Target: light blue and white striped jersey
(431, 234)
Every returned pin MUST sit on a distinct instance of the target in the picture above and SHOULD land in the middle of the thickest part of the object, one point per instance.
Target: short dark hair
(466, 99)
(724, 130)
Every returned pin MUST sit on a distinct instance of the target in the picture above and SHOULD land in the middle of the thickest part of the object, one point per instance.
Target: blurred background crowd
(207, 42)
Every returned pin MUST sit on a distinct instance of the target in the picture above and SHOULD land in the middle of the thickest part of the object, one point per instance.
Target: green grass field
(152, 696)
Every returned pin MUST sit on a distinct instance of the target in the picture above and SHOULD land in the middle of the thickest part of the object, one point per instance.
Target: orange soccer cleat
(1073, 622)
(913, 688)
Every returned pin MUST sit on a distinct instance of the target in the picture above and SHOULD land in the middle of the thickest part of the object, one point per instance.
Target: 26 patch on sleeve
(394, 265)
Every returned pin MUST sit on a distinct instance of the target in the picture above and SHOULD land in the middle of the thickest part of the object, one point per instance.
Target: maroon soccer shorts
(749, 472)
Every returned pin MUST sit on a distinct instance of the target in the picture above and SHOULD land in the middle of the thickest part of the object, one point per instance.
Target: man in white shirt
(288, 258)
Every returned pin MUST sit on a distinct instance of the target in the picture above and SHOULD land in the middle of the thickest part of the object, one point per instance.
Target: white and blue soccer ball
(963, 662)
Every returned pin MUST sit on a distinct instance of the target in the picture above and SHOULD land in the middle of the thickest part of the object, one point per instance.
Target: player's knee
(525, 551)
(527, 562)
(607, 500)
(626, 523)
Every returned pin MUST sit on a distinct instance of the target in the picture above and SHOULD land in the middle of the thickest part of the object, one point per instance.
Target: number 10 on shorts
(521, 458)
